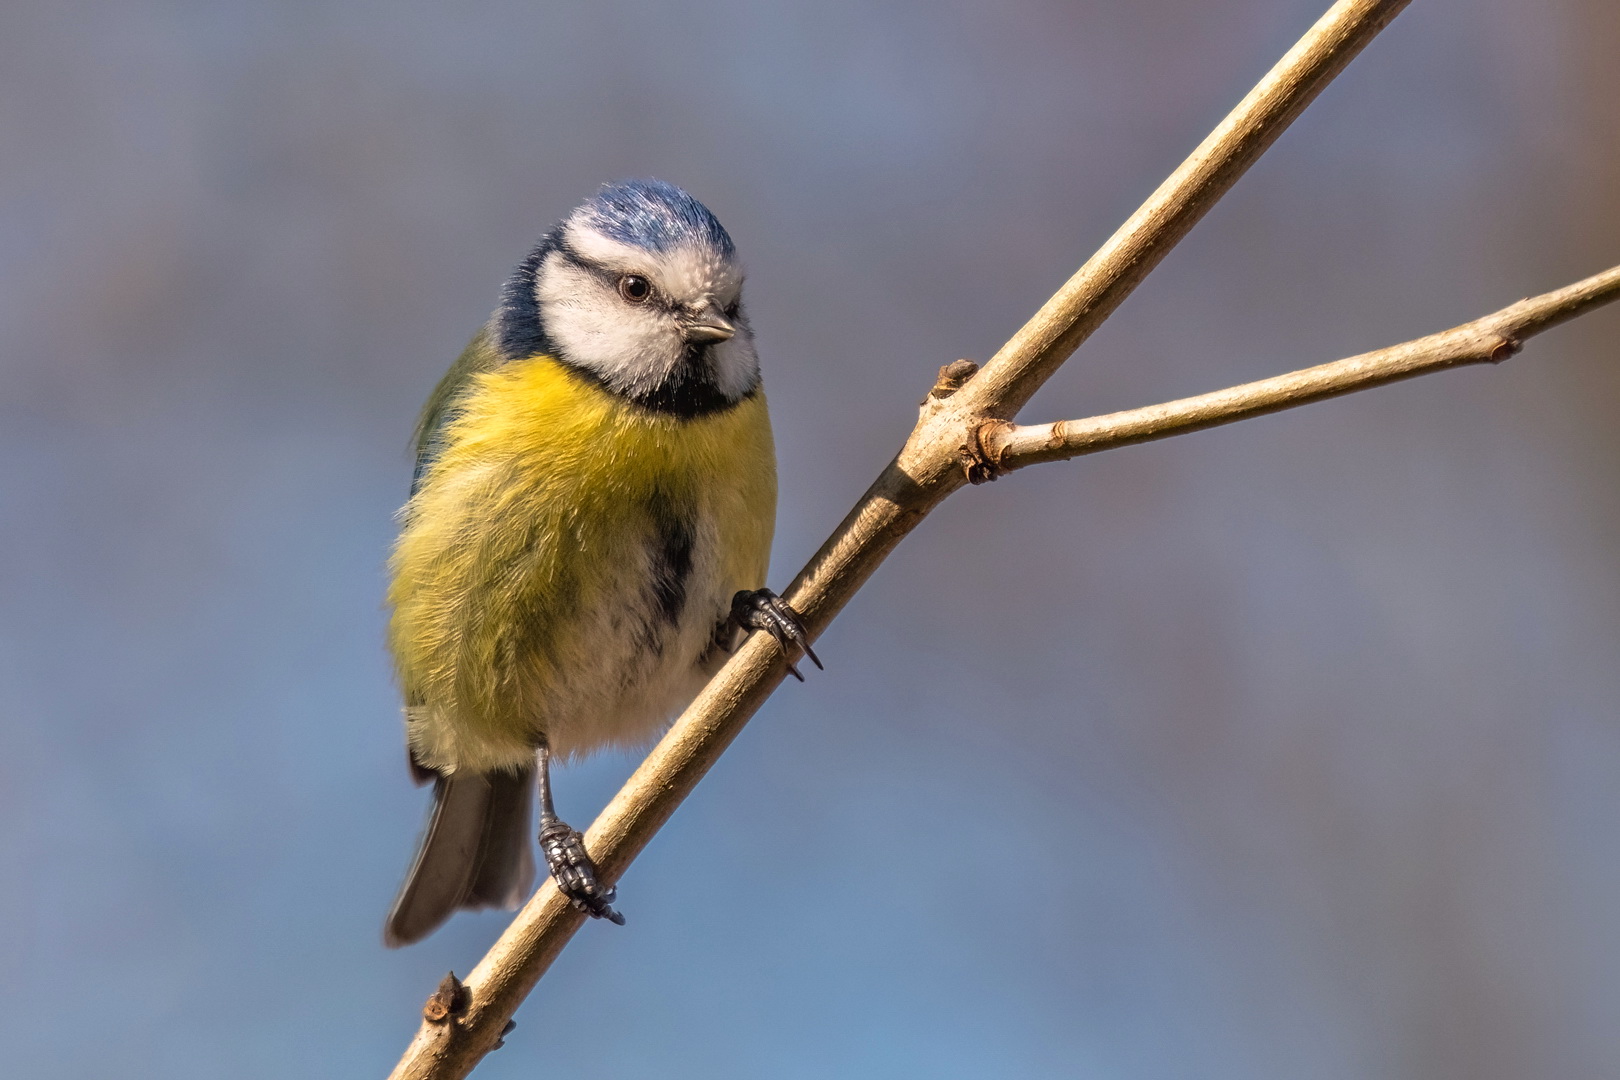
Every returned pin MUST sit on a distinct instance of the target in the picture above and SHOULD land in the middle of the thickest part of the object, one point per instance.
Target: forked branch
(1003, 447)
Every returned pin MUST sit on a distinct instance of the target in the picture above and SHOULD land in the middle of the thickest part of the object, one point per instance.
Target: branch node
(1059, 436)
(1506, 347)
(952, 377)
(449, 1000)
(977, 463)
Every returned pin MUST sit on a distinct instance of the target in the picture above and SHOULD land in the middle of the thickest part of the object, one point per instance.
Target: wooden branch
(1013, 375)
(469, 1019)
(1004, 447)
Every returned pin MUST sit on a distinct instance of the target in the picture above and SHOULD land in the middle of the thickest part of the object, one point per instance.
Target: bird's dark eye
(734, 307)
(635, 288)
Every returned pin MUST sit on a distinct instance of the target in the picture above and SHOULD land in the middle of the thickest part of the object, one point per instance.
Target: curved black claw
(574, 872)
(762, 609)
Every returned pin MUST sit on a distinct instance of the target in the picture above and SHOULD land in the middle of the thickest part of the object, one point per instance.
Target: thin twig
(1019, 368)
(928, 468)
(1492, 339)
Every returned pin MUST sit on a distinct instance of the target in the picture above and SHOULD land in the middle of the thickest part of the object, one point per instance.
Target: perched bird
(587, 535)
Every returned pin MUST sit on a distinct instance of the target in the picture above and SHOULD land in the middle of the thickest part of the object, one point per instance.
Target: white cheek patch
(736, 367)
(633, 349)
(637, 348)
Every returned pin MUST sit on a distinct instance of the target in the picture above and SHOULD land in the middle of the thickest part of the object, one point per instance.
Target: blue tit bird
(586, 537)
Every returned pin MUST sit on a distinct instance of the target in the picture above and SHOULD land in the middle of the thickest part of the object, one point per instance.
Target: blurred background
(1288, 749)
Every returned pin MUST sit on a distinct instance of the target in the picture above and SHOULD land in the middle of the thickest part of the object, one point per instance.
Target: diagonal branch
(1019, 368)
(465, 1022)
(1003, 447)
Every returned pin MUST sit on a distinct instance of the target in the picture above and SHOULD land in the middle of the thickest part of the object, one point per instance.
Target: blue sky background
(1294, 748)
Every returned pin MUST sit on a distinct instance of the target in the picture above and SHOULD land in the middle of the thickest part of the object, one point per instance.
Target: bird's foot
(574, 872)
(761, 609)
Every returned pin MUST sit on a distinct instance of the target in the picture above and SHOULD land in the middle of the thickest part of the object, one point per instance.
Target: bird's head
(640, 289)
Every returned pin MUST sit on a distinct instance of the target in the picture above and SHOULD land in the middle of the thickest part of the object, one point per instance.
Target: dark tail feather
(474, 853)
(506, 852)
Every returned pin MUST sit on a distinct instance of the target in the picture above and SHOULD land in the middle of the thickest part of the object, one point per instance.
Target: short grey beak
(709, 326)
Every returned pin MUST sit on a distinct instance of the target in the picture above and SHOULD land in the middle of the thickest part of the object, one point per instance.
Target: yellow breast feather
(545, 489)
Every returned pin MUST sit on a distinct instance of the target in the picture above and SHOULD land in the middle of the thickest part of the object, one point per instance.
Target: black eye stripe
(569, 255)
(597, 270)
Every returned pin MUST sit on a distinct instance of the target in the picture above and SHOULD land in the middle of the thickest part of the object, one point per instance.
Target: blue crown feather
(653, 215)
